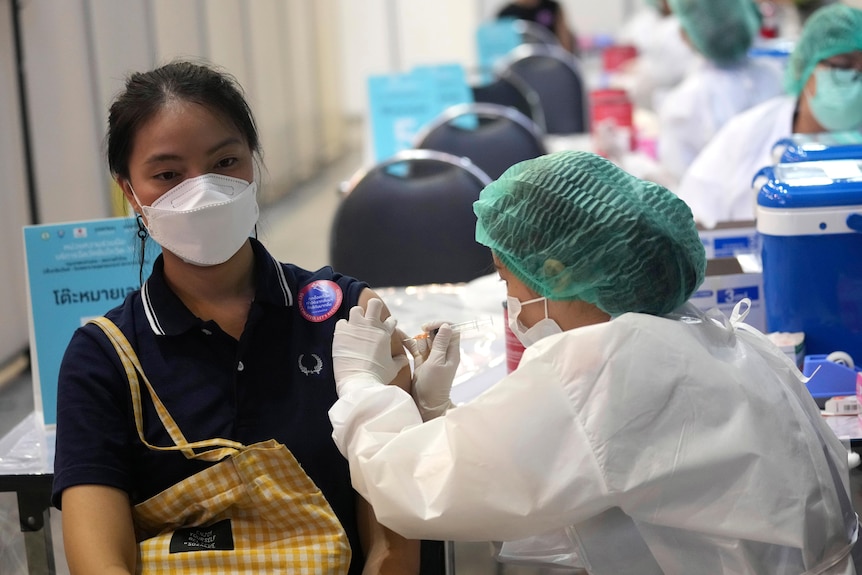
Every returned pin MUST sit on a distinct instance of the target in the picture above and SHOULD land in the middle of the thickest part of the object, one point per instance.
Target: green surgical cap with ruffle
(721, 30)
(829, 31)
(572, 225)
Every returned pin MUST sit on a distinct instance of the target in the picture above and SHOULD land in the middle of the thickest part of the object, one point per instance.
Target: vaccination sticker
(319, 300)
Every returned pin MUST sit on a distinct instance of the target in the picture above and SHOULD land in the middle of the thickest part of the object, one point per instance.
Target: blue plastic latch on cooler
(828, 378)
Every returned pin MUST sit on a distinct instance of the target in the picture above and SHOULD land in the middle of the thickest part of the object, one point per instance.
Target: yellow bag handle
(225, 447)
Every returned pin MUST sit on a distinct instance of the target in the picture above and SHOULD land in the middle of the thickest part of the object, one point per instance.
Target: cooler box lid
(772, 48)
(815, 147)
(811, 184)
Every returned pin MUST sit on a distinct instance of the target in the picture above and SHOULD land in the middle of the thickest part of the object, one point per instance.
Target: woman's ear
(126, 187)
(804, 121)
(687, 39)
(809, 90)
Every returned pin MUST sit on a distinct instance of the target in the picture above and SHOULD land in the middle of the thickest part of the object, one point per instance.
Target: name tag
(215, 537)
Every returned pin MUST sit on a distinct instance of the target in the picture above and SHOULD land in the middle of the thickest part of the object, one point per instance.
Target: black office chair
(501, 137)
(506, 89)
(555, 75)
(398, 225)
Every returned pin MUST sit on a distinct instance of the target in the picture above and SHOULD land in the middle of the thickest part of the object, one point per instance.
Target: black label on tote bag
(215, 537)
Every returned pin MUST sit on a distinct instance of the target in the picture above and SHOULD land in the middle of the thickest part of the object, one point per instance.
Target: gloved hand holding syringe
(436, 353)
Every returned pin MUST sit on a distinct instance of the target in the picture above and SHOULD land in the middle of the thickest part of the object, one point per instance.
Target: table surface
(847, 427)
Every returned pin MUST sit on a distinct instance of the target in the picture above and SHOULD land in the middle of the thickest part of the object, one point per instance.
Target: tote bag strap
(223, 447)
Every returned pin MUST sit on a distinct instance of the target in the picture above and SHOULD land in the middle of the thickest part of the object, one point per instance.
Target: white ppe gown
(717, 187)
(664, 445)
(696, 109)
(663, 59)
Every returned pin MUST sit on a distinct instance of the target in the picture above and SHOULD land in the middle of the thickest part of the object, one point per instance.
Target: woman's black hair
(146, 93)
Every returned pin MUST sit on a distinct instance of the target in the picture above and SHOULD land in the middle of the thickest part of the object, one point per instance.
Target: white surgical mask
(203, 220)
(529, 336)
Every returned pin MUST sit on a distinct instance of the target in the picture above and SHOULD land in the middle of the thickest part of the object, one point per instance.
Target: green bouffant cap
(572, 225)
(721, 30)
(829, 31)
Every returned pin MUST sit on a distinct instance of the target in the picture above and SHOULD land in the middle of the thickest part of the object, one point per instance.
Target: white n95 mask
(204, 220)
(529, 336)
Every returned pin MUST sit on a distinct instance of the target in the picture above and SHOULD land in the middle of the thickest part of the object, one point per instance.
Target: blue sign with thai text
(75, 271)
(494, 40)
(402, 104)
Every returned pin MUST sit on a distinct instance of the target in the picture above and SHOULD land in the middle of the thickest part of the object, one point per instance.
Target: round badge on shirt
(319, 300)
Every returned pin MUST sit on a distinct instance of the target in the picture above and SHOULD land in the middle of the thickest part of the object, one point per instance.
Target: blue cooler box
(818, 147)
(809, 216)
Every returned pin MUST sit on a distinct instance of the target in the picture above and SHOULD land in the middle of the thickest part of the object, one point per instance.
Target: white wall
(63, 100)
(15, 212)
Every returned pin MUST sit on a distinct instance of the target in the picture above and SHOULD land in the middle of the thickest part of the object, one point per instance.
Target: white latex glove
(361, 347)
(434, 368)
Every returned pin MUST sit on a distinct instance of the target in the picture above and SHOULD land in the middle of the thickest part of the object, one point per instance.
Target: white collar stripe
(150, 312)
(288, 297)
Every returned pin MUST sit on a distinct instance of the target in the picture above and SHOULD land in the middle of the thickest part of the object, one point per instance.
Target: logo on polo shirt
(318, 365)
(319, 300)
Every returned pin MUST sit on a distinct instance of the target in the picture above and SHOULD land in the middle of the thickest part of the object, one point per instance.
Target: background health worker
(724, 83)
(823, 84)
(236, 344)
(660, 440)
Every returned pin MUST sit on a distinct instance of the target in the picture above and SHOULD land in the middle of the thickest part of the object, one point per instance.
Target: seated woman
(233, 351)
(824, 94)
(654, 438)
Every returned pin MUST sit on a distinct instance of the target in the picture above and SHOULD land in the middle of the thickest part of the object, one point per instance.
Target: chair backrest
(501, 137)
(509, 90)
(399, 226)
(555, 76)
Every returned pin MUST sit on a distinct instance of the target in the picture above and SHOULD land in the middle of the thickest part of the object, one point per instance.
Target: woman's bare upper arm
(98, 531)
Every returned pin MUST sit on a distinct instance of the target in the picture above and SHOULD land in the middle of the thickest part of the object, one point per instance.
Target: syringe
(461, 327)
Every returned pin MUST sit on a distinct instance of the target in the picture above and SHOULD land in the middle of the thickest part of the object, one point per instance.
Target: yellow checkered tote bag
(255, 511)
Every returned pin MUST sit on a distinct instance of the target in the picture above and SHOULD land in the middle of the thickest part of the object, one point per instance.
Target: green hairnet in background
(721, 30)
(572, 225)
(831, 30)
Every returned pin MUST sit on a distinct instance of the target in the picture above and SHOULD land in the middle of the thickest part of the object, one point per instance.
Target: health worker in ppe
(655, 438)
(823, 82)
(724, 83)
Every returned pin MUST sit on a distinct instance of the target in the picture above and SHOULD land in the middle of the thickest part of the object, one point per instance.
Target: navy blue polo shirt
(276, 382)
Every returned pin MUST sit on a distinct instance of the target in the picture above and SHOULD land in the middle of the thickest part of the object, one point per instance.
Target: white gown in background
(662, 445)
(663, 59)
(695, 110)
(717, 186)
